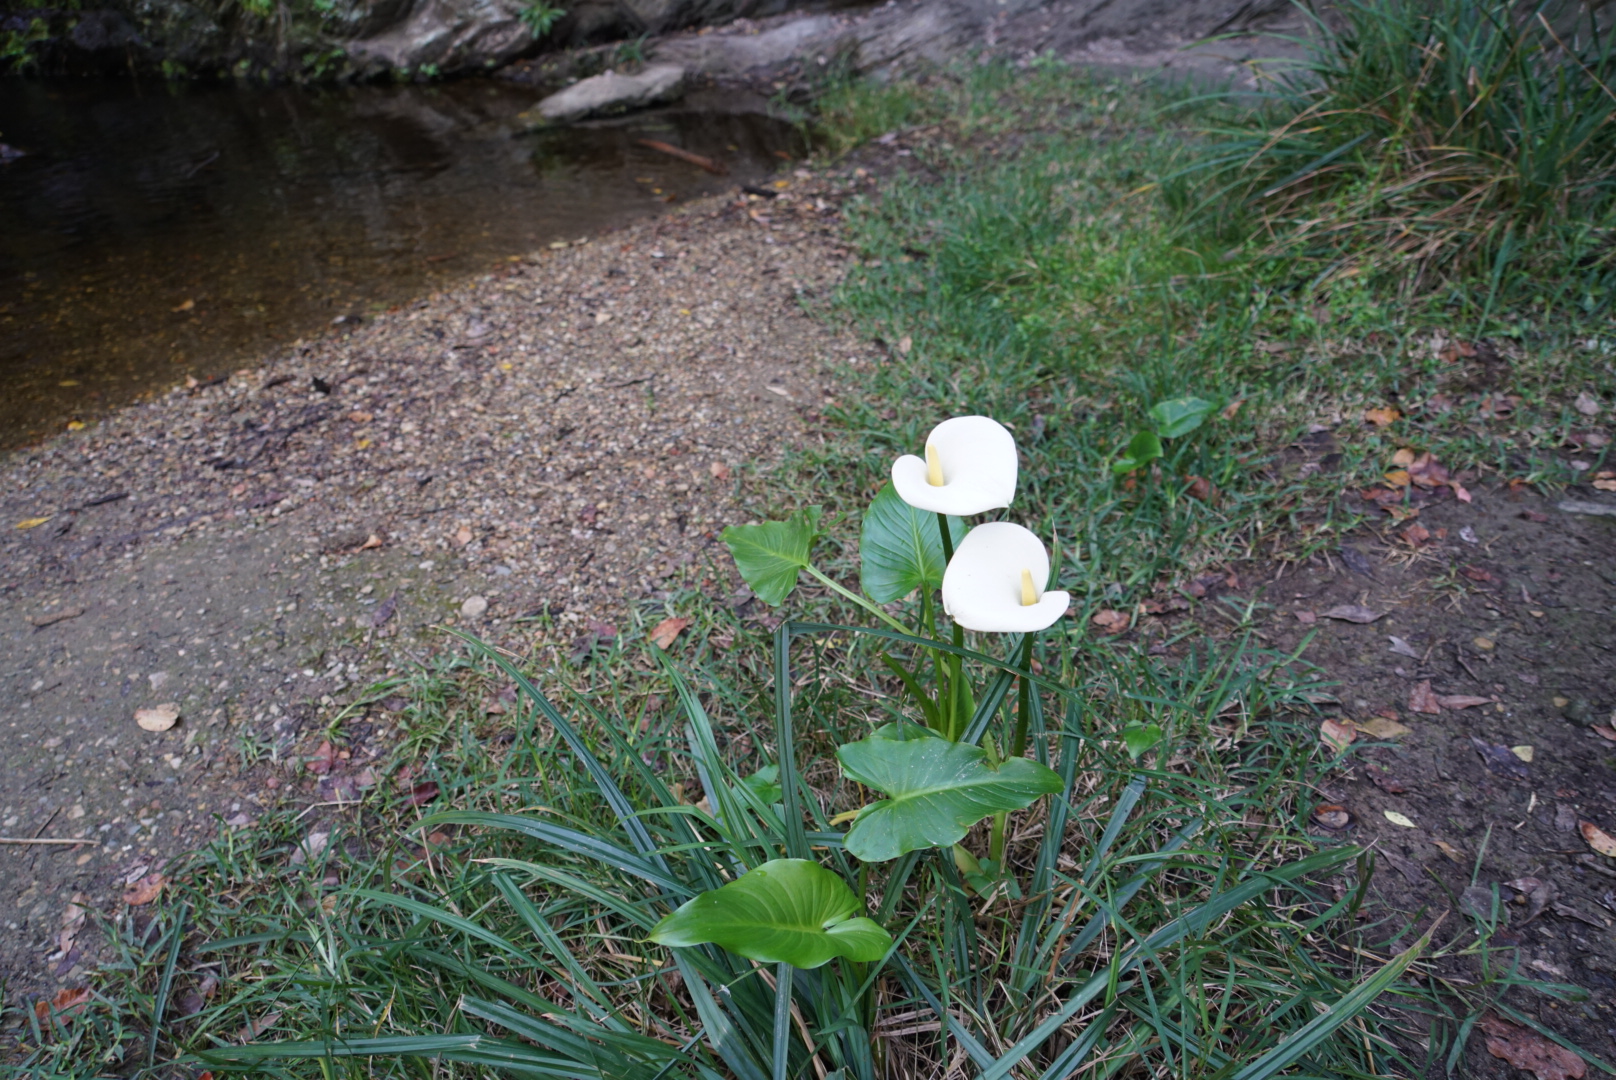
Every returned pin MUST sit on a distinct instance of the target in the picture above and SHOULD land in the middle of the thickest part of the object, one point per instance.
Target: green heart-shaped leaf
(769, 555)
(789, 911)
(1179, 416)
(936, 790)
(765, 784)
(900, 549)
(1140, 737)
(1143, 448)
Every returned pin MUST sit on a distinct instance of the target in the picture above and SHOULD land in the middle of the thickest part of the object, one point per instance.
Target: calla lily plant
(992, 579)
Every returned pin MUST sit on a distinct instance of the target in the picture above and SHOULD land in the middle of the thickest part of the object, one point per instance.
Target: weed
(541, 17)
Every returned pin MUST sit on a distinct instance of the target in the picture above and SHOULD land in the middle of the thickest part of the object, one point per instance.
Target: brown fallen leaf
(1604, 732)
(1457, 350)
(422, 793)
(257, 1027)
(1110, 621)
(320, 762)
(1527, 1050)
(1203, 489)
(719, 470)
(1422, 700)
(145, 890)
(1537, 894)
(1306, 618)
(1332, 816)
(158, 717)
(663, 634)
(1382, 417)
(1382, 778)
(1403, 458)
(1353, 613)
(1500, 759)
(69, 1001)
(1403, 648)
(1451, 852)
(1378, 727)
(462, 536)
(1597, 838)
(1336, 736)
(1461, 701)
(373, 541)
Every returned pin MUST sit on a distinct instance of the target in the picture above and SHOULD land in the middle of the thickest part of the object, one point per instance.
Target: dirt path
(544, 449)
(1493, 627)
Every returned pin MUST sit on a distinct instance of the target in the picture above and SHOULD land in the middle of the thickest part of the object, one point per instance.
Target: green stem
(1018, 738)
(859, 600)
(948, 540)
(1018, 747)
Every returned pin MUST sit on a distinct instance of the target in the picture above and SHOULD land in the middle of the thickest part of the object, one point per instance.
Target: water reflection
(152, 232)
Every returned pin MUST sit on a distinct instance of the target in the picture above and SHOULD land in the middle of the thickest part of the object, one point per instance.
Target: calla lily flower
(994, 582)
(969, 468)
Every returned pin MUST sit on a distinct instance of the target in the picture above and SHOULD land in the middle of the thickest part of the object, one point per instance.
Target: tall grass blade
(1322, 1026)
(782, 1021)
(165, 984)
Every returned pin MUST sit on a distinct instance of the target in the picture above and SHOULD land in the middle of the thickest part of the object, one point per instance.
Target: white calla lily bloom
(969, 468)
(994, 582)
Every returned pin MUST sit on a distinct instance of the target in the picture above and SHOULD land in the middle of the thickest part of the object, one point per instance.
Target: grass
(1030, 268)
(1432, 143)
(1033, 266)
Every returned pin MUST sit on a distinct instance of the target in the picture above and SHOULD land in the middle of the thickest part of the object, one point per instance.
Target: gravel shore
(550, 443)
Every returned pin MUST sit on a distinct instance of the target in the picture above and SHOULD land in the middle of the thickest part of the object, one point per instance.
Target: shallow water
(154, 232)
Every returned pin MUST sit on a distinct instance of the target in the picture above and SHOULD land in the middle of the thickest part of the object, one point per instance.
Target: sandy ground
(543, 450)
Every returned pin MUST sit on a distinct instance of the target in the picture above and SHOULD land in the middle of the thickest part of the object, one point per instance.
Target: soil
(541, 453)
(1509, 601)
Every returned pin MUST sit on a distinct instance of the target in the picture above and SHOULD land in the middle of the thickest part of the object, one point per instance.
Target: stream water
(152, 232)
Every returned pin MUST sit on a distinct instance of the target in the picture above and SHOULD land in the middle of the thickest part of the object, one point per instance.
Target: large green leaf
(787, 911)
(769, 555)
(901, 549)
(936, 790)
(1142, 449)
(1179, 416)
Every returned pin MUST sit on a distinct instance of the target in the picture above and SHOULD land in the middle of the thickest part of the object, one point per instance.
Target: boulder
(448, 35)
(610, 93)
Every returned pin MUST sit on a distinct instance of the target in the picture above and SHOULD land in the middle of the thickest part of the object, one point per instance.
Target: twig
(39, 840)
(697, 160)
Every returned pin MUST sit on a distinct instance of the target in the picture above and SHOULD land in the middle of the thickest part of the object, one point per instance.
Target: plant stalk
(867, 605)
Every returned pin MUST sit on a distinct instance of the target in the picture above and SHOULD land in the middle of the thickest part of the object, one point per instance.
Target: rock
(475, 607)
(448, 35)
(609, 93)
(890, 39)
(1580, 711)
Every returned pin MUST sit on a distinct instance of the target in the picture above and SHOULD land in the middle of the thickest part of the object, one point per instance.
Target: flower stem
(948, 540)
(867, 605)
(1018, 737)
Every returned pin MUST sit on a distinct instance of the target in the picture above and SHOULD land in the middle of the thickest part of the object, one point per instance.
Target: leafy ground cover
(1187, 408)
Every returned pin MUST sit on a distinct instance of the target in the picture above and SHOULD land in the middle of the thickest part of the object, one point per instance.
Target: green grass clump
(1427, 143)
